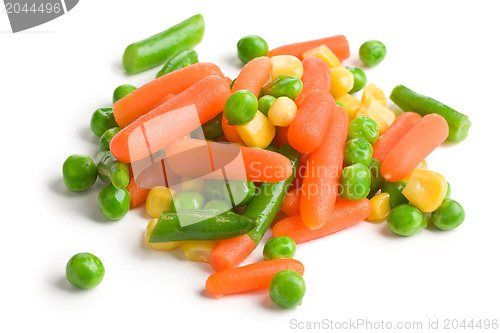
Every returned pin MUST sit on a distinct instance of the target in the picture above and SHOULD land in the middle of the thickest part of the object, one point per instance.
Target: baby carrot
(316, 77)
(250, 277)
(253, 75)
(345, 214)
(324, 166)
(230, 131)
(239, 249)
(138, 195)
(391, 136)
(414, 146)
(144, 99)
(338, 45)
(281, 136)
(291, 203)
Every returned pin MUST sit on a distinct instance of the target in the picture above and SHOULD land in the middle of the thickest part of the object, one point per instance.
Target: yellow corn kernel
(383, 116)
(158, 200)
(422, 165)
(165, 246)
(372, 91)
(259, 132)
(282, 111)
(426, 190)
(351, 104)
(198, 250)
(342, 81)
(380, 207)
(196, 184)
(286, 65)
(325, 54)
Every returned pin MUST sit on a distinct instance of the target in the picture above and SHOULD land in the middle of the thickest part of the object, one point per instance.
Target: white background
(54, 76)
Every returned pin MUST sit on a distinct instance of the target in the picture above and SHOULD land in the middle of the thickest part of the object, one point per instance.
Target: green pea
(102, 120)
(265, 103)
(359, 78)
(358, 151)
(363, 128)
(218, 205)
(213, 128)
(395, 190)
(122, 91)
(187, 200)
(448, 191)
(372, 52)
(377, 180)
(239, 192)
(250, 47)
(287, 288)
(214, 189)
(84, 270)
(107, 136)
(79, 172)
(279, 247)
(449, 215)
(286, 85)
(114, 203)
(354, 183)
(406, 220)
(241, 107)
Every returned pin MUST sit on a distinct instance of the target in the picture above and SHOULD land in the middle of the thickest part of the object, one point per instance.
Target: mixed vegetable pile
(315, 158)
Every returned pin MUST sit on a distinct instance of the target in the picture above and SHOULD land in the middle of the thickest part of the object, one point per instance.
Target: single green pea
(239, 192)
(363, 128)
(377, 180)
(102, 120)
(358, 151)
(354, 183)
(79, 172)
(250, 47)
(395, 190)
(107, 136)
(212, 129)
(265, 103)
(214, 189)
(122, 91)
(287, 288)
(286, 85)
(406, 220)
(241, 107)
(279, 247)
(187, 200)
(359, 78)
(114, 203)
(448, 191)
(218, 205)
(449, 215)
(372, 52)
(84, 270)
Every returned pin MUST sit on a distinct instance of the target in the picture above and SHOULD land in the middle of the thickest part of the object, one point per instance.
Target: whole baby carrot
(414, 146)
(253, 75)
(291, 203)
(316, 77)
(338, 45)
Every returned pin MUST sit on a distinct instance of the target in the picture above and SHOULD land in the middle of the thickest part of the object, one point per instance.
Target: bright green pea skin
(79, 172)
(377, 180)
(102, 120)
(358, 150)
(84, 270)
(218, 205)
(406, 220)
(395, 190)
(213, 128)
(448, 191)
(265, 103)
(363, 128)
(286, 85)
(287, 288)
(359, 78)
(372, 52)
(354, 183)
(187, 200)
(107, 136)
(239, 192)
(122, 91)
(250, 47)
(114, 203)
(449, 215)
(279, 247)
(241, 107)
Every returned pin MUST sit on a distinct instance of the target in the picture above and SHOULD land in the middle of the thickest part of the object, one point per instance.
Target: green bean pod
(180, 60)
(110, 170)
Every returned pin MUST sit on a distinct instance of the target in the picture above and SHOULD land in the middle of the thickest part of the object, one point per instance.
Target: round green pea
(265, 103)
(187, 200)
(286, 85)
(287, 288)
(279, 247)
(114, 203)
(107, 137)
(363, 128)
(122, 91)
(213, 128)
(239, 192)
(449, 215)
(359, 78)
(372, 52)
(218, 205)
(406, 220)
(358, 151)
(241, 107)
(79, 172)
(377, 180)
(250, 47)
(84, 270)
(354, 183)
(102, 120)
(395, 190)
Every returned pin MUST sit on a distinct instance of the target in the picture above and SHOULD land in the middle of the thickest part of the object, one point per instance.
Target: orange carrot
(345, 214)
(253, 75)
(414, 146)
(250, 277)
(393, 134)
(324, 166)
(338, 45)
(166, 98)
(160, 127)
(144, 99)
(231, 252)
(138, 195)
(281, 136)
(291, 203)
(309, 126)
(230, 131)
(316, 77)
(299, 175)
